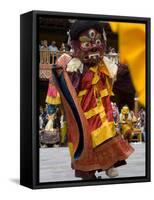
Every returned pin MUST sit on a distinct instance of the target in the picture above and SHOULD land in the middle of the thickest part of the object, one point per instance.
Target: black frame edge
(93, 16)
(148, 99)
(26, 149)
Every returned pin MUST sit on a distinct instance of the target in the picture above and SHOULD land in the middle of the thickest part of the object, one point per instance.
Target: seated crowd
(49, 51)
(53, 126)
(131, 126)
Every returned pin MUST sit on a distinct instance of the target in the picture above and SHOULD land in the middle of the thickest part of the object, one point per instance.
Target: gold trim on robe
(107, 129)
(105, 132)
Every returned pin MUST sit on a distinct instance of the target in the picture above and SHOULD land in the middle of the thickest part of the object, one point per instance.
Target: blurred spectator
(62, 48)
(41, 44)
(142, 122)
(45, 116)
(50, 135)
(116, 116)
(57, 118)
(115, 112)
(127, 121)
(63, 130)
(44, 54)
(41, 118)
(113, 55)
(53, 47)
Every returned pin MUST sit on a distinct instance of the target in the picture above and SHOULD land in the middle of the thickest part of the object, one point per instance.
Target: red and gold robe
(102, 148)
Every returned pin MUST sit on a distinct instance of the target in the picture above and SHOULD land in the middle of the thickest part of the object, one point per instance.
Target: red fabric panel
(88, 101)
(94, 122)
(86, 80)
(108, 108)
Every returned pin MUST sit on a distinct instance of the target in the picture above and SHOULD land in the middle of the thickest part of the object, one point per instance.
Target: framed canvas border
(29, 100)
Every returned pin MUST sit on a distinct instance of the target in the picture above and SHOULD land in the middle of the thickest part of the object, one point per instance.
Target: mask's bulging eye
(85, 45)
(92, 34)
(98, 42)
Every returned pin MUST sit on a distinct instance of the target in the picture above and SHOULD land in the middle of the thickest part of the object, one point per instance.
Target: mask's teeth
(94, 55)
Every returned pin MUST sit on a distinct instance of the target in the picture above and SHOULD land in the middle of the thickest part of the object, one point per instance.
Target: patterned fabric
(94, 99)
(53, 96)
(50, 137)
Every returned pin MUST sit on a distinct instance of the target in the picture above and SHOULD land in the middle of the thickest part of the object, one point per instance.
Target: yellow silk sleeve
(132, 52)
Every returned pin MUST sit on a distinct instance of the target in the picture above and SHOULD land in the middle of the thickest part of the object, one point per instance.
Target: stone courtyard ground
(55, 164)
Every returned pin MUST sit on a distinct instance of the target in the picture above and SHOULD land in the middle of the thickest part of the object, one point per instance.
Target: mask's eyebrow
(84, 39)
(98, 36)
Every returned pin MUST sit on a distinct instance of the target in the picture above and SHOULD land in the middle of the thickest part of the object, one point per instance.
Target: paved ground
(55, 164)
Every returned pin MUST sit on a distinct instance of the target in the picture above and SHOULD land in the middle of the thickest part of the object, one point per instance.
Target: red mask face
(89, 47)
